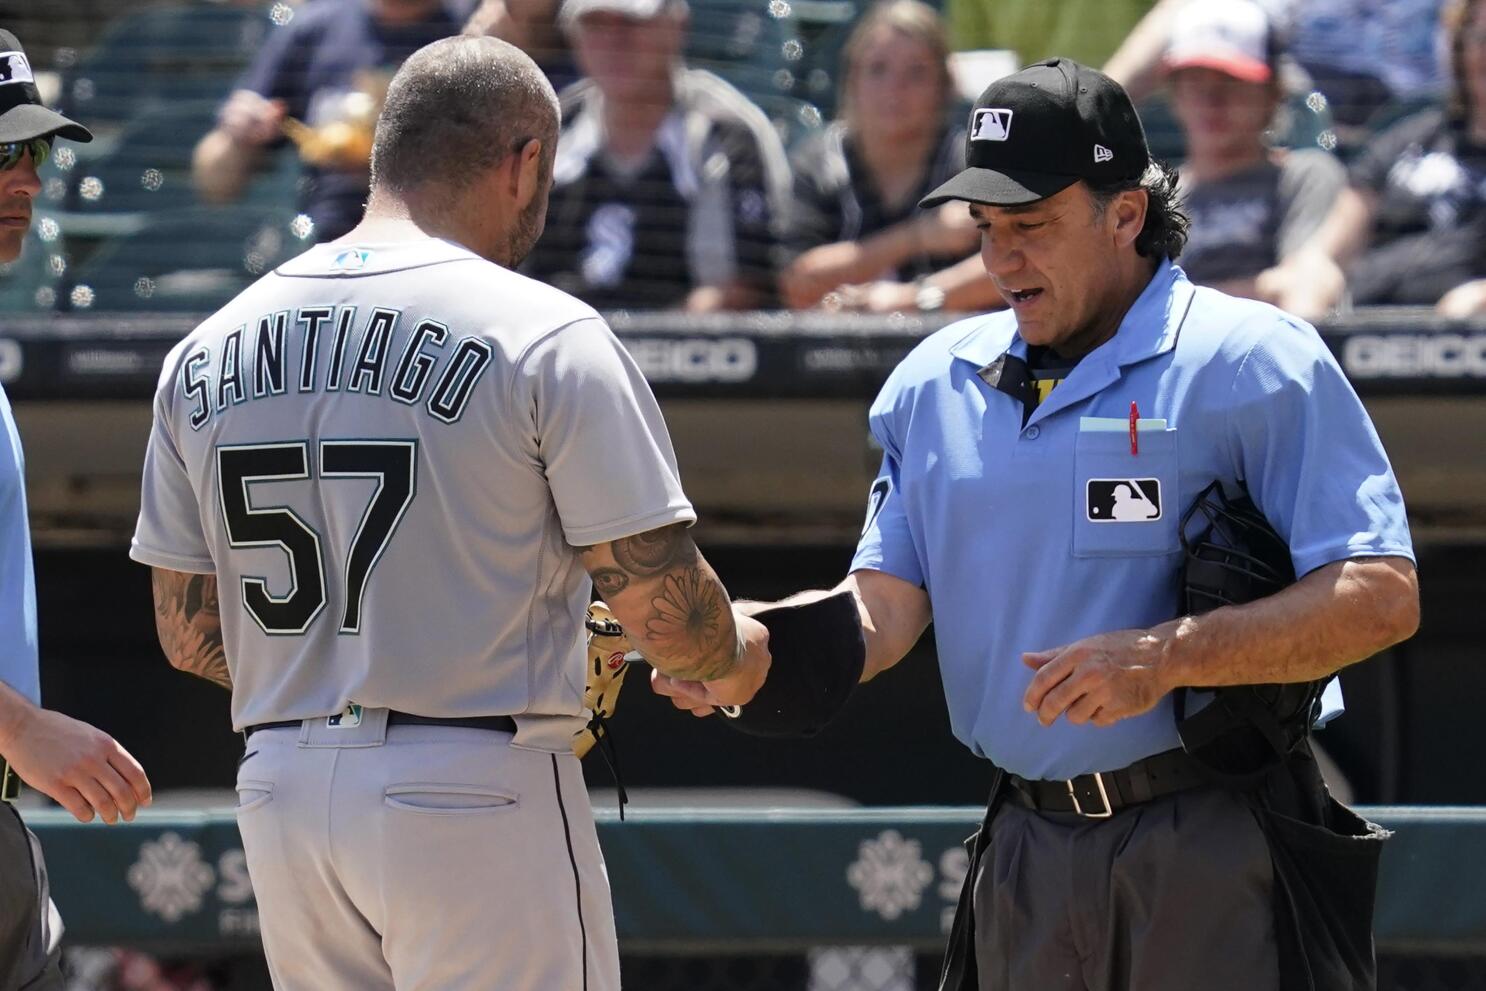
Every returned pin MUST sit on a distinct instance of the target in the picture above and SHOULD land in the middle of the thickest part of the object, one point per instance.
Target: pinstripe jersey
(387, 454)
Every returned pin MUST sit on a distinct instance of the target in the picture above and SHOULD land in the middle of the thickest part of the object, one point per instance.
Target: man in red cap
(79, 766)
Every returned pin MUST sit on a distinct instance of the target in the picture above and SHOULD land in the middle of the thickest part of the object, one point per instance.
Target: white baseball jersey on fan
(386, 454)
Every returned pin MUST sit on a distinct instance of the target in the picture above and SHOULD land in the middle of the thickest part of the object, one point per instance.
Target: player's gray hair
(458, 107)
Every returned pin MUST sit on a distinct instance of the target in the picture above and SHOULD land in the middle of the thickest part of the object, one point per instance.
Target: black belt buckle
(10, 783)
(1091, 786)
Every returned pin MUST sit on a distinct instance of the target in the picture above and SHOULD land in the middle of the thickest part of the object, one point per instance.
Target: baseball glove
(607, 647)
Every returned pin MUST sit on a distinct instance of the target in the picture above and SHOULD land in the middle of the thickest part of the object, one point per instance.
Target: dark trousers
(1170, 895)
(28, 954)
(1267, 887)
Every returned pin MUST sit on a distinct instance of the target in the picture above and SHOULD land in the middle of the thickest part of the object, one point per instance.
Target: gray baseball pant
(423, 858)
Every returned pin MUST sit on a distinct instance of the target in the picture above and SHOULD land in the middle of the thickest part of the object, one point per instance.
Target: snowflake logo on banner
(889, 874)
(170, 876)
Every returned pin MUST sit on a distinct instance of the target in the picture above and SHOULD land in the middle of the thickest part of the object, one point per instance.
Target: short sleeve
(278, 71)
(1308, 452)
(886, 543)
(1309, 183)
(169, 532)
(599, 436)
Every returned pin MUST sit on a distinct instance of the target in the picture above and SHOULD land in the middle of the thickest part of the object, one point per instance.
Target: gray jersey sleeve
(597, 434)
(169, 533)
(1310, 180)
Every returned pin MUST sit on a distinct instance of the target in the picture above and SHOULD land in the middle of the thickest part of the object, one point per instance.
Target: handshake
(797, 665)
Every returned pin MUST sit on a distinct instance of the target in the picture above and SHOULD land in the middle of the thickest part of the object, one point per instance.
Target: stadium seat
(193, 259)
(750, 43)
(29, 284)
(162, 55)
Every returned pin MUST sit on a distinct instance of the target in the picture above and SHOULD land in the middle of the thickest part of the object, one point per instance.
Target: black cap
(22, 114)
(1038, 131)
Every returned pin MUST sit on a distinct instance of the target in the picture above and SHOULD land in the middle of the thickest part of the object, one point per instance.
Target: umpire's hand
(82, 768)
(1100, 679)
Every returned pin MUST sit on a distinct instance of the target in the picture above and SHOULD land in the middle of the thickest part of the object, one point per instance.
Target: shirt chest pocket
(1120, 500)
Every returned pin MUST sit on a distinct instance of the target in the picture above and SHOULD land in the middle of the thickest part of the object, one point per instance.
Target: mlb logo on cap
(14, 68)
(991, 124)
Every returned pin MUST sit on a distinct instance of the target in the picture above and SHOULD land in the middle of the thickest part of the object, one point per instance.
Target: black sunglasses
(11, 152)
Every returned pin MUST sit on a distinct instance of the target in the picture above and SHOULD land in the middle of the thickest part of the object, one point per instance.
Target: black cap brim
(32, 120)
(996, 188)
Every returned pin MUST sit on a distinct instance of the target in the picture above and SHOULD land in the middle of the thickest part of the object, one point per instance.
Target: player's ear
(526, 177)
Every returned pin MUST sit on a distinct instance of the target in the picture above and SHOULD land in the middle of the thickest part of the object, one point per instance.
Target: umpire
(79, 766)
(1038, 463)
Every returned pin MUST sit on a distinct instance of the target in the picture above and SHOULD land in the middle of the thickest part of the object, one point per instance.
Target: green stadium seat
(147, 168)
(162, 55)
(30, 283)
(749, 43)
(193, 259)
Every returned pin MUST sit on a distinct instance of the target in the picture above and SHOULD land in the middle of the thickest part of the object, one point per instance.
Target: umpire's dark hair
(1165, 230)
(456, 108)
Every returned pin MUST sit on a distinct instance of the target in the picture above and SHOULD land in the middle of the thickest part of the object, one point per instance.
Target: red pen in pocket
(1134, 434)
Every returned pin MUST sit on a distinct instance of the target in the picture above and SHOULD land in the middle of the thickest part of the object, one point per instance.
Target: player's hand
(82, 768)
(701, 698)
(819, 270)
(1100, 679)
(251, 119)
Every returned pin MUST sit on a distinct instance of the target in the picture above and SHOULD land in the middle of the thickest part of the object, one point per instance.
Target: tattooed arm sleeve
(190, 625)
(669, 601)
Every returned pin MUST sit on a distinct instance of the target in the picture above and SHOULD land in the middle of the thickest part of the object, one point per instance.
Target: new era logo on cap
(991, 125)
(1102, 154)
(14, 68)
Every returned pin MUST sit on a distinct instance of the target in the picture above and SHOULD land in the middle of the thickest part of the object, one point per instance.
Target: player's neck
(391, 219)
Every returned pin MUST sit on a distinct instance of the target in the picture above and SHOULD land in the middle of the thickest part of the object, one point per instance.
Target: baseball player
(81, 767)
(376, 488)
(1015, 444)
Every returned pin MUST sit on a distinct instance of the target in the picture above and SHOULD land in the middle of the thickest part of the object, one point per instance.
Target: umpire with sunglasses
(82, 768)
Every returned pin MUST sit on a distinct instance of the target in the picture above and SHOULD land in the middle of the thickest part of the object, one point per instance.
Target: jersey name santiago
(387, 454)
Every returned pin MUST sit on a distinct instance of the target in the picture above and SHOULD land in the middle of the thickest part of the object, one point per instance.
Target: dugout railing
(747, 898)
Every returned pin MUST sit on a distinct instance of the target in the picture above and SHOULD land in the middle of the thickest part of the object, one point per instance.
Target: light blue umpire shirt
(18, 661)
(1031, 537)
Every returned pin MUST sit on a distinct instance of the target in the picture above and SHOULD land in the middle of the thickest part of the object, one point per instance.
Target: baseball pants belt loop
(501, 724)
(1101, 794)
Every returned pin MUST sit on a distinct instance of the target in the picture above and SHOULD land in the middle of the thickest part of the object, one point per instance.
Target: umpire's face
(1062, 263)
(18, 188)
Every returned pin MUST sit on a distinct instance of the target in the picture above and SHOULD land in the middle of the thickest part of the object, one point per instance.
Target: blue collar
(1149, 328)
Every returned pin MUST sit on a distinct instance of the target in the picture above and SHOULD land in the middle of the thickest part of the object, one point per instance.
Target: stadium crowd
(736, 155)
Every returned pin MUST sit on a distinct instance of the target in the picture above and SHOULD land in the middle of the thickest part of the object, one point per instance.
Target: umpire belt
(501, 724)
(1103, 793)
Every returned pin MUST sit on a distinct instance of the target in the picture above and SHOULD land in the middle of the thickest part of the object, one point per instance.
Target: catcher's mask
(1231, 555)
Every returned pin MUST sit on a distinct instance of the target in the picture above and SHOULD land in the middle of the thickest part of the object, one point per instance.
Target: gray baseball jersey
(387, 454)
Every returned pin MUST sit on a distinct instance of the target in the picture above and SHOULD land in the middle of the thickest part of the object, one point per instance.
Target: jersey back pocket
(1124, 503)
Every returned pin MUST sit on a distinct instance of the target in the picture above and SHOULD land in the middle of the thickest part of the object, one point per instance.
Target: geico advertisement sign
(1415, 356)
(694, 359)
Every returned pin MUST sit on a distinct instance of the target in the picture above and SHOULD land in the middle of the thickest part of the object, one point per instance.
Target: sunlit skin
(18, 189)
(1068, 273)
(895, 90)
(1223, 117)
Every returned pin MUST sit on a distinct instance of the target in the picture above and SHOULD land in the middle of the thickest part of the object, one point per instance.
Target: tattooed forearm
(189, 623)
(670, 601)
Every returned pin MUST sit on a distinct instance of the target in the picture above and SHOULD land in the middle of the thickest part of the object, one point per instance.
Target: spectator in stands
(1365, 56)
(79, 766)
(1250, 205)
(325, 68)
(854, 222)
(1410, 228)
(530, 25)
(668, 181)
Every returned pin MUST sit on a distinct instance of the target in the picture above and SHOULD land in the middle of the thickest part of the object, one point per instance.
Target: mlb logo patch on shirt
(1123, 500)
(15, 69)
(991, 124)
(347, 718)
